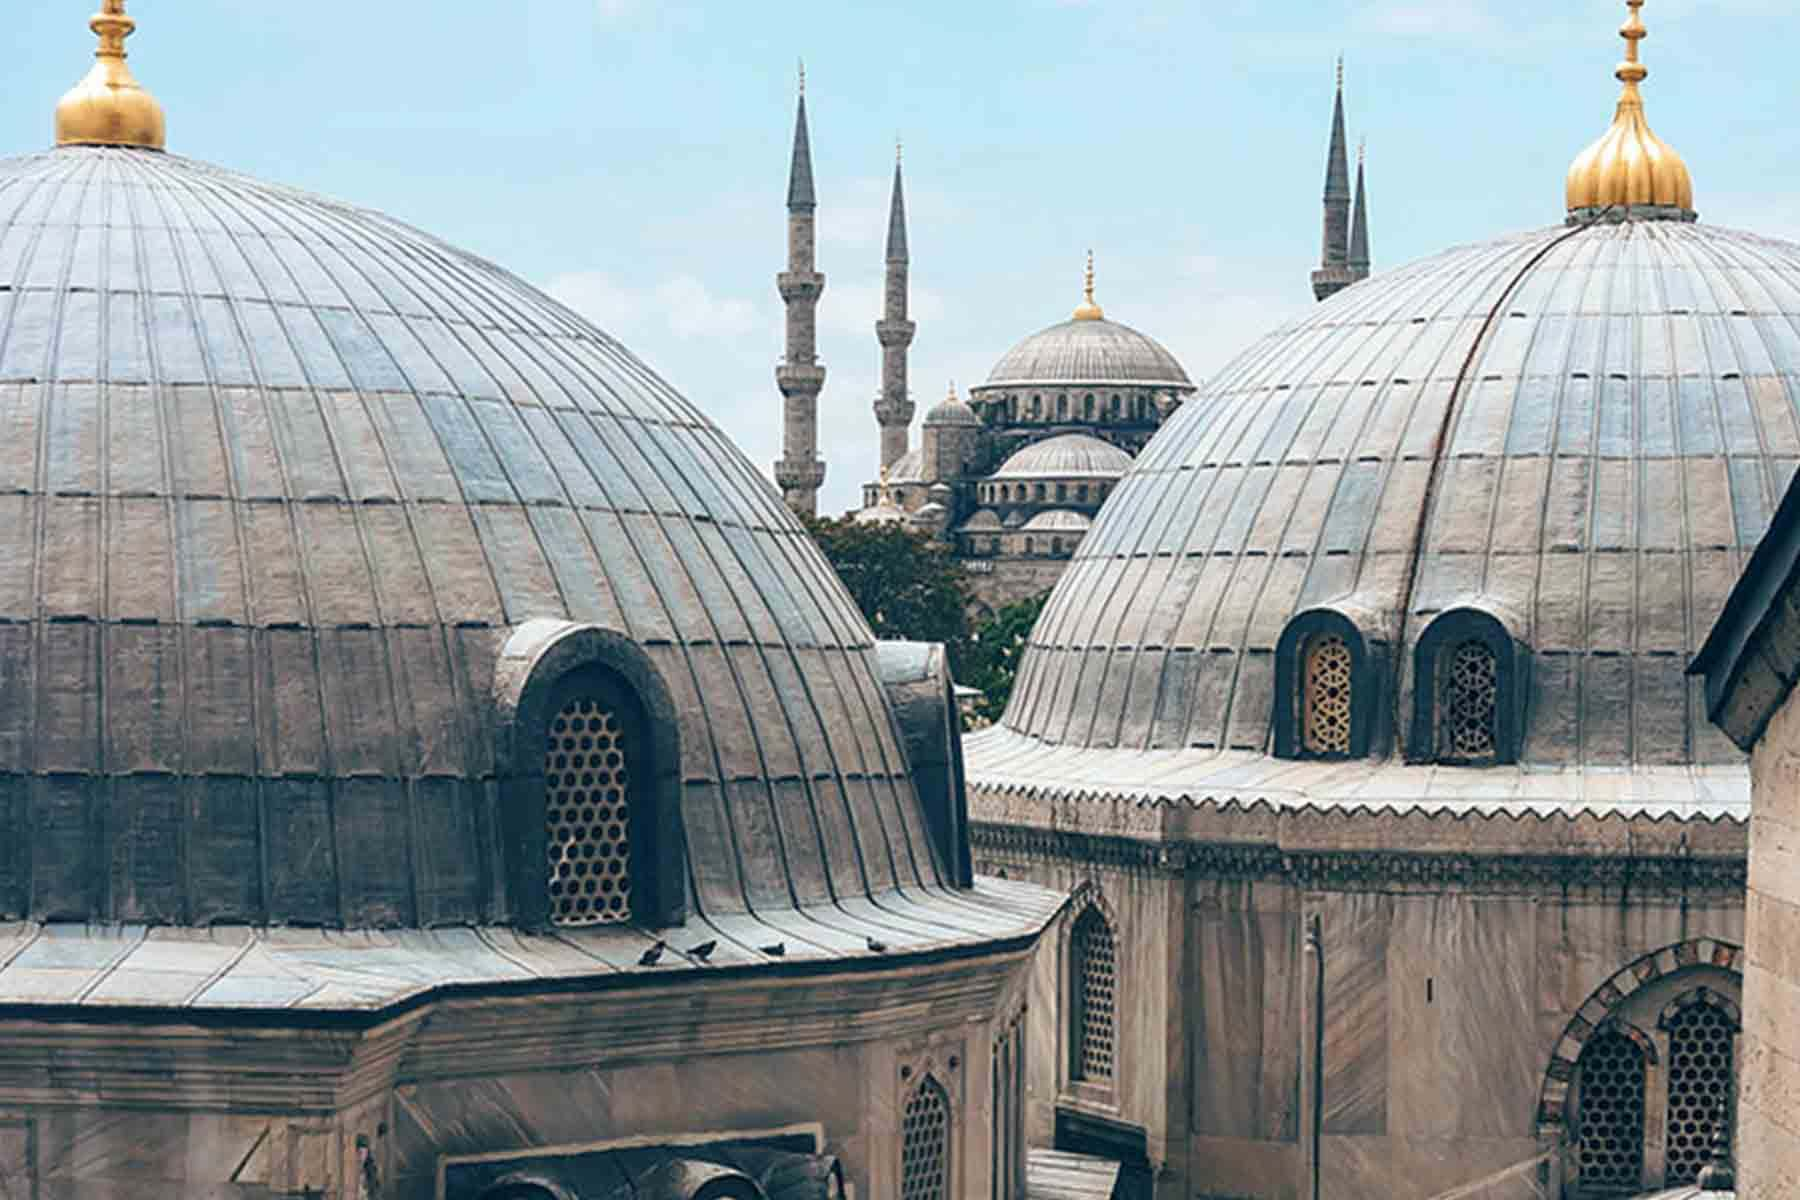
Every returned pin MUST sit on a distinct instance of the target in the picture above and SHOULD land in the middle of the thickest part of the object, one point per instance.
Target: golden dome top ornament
(1630, 173)
(109, 107)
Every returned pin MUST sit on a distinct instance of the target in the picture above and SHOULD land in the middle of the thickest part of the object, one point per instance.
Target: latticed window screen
(1610, 1153)
(1093, 986)
(587, 815)
(925, 1143)
(1471, 702)
(1327, 695)
(1699, 1084)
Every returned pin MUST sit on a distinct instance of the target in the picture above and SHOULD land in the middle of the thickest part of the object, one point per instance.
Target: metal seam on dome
(1402, 728)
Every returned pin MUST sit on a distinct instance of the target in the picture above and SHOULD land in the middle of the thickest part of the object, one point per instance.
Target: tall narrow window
(1327, 695)
(1471, 695)
(1610, 1148)
(587, 815)
(925, 1143)
(1092, 980)
(1700, 1080)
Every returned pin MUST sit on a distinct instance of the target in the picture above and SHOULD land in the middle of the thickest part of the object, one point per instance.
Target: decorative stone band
(1596, 1013)
(1655, 875)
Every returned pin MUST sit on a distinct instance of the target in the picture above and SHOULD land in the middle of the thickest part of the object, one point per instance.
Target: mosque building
(1013, 477)
(434, 763)
(1405, 860)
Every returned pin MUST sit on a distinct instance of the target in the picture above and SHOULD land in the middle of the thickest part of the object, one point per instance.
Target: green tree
(992, 661)
(908, 586)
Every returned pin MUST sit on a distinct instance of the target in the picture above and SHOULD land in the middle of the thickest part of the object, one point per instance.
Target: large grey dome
(1081, 351)
(1578, 432)
(280, 481)
(1067, 455)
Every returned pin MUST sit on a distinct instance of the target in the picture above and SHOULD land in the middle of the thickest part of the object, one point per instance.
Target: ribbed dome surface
(952, 411)
(1058, 520)
(1624, 419)
(278, 477)
(1097, 352)
(1066, 455)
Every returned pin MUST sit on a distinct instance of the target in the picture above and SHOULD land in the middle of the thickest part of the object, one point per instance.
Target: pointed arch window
(1093, 997)
(1609, 1145)
(1327, 688)
(1702, 1027)
(925, 1143)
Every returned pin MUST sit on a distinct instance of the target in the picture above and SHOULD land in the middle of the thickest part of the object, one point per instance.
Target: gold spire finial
(1340, 72)
(802, 63)
(1088, 310)
(1629, 169)
(896, 149)
(108, 107)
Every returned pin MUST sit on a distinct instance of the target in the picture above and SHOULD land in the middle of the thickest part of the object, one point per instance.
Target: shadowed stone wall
(1769, 1079)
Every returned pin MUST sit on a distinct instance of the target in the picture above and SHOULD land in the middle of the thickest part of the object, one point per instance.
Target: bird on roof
(649, 957)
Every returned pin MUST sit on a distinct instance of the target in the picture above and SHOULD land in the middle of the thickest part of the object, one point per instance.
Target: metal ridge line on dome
(1629, 172)
(109, 107)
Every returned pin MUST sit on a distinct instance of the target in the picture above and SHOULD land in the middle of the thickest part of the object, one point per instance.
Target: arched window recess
(588, 758)
(1468, 694)
(1328, 688)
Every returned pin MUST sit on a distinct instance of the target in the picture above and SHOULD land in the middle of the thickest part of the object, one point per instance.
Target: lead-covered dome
(1565, 440)
(290, 494)
(1067, 455)
(1088, 350)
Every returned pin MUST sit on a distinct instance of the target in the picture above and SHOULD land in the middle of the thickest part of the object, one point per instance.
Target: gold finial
(1629, 167)
(802, 63)
(1362, 150)
(1088, 310)
(896, 149)
(1340, 72)
(108, 107)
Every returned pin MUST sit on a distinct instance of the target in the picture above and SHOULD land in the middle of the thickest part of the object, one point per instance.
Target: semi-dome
(1065, 456)
(1057, 520)
(296, 498)
(1088, 350)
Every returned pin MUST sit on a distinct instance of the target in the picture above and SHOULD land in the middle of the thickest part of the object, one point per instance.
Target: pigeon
(648, 958)
(704, 950)
(776, 950)
(876, 947)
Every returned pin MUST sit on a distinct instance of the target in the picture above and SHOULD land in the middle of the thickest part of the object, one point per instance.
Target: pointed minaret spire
(1359, 222)
(894, 406)
(800, 376)
(1333, 274)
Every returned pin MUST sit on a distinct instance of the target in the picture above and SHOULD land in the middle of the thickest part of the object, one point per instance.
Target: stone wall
(1450, 1005)
(1769, 1079)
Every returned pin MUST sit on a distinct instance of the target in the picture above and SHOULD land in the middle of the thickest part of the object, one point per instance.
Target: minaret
(800, 376)
(1333, 275)
(894, 407)
(1359, 223)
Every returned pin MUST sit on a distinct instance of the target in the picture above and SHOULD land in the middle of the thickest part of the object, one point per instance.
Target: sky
(630, 156)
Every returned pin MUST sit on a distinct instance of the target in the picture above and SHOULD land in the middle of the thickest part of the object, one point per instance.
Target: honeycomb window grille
(925, 1143)
(1610, 1147)
(1700, 1085)
(1093, 985)
(587, 814)
(1471, 703)
(1327, 696)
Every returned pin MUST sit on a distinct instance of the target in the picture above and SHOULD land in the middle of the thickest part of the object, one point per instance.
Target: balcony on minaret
(895, 333)
(792, 475)
(800, 285)
(800, 379)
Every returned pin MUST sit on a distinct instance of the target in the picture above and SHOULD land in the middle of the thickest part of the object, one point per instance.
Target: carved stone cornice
(1358, 870)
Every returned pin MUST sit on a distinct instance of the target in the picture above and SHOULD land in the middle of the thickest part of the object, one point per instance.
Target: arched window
(1040, 491)
(1056, 545)
(1326, 700)
(1062, 408)
(1327, 688)
(591, 811)
(1030, 546)
(1115, 407)
(1093, 977)
(925, 1143)
(1037, 407)
(1610, 1123)
(1465, 698)
(1700, 1086)
(1087, 408)
(1081, 493)
(1062, 491)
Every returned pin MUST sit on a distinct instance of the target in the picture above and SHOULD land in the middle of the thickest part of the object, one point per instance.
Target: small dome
(1089, 351)
(1058, 520)
(1066, 456)
(883, 512)
(952, 411)
(985, 520)
(908, 468)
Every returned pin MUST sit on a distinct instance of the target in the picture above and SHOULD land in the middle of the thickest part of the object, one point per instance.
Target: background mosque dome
(1066, 456)
(1579, 432)
(952, 411)
(1058, 520)
(289, 491)
(1088, 350)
